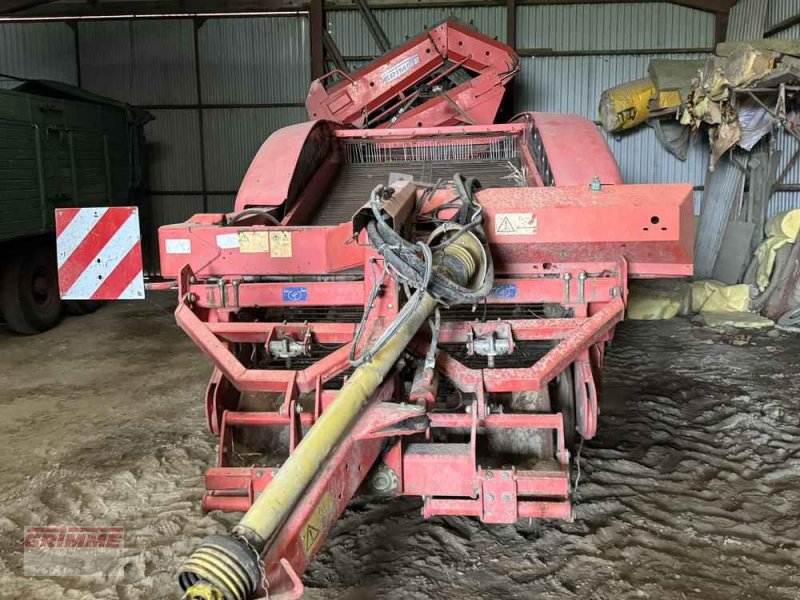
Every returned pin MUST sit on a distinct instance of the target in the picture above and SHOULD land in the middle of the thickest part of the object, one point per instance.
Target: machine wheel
(82, 307)
(562, 395)
(523, 447)
(29, 298)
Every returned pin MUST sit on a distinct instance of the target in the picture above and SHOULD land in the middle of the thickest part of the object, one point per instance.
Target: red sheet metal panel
(576, 150)
(268, 180)
(215, 250)
(650, 226)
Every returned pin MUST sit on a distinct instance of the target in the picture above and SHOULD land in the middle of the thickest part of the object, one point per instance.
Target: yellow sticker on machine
(251, 242)
(314, 530)
(281, 244)
(515, 224)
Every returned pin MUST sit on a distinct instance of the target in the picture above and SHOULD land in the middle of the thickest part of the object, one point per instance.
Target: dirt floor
(691, 489)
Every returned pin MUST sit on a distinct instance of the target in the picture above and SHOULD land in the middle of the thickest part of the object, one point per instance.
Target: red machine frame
(386, 92)
(586, 244)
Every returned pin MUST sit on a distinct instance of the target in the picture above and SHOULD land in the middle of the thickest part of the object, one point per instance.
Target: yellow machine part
(626, 105)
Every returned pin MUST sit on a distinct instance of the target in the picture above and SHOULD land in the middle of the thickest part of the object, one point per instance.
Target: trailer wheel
(562, 394)
(29, 298)
(82, 307)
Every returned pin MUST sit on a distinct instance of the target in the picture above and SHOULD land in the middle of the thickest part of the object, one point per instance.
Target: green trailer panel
(61, 146)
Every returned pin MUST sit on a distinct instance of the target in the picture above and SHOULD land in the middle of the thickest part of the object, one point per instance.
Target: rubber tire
(22, 311)
(82, 307)
(562, 398)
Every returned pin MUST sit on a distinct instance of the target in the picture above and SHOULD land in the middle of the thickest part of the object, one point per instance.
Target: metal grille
(493, 312)
(437, 150)
(540, 158)
(312, 314)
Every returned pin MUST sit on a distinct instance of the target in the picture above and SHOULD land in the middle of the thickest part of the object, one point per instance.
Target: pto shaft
(273, 506)
(228, 568)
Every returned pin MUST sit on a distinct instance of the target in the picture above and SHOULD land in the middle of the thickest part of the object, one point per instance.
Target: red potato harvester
(430, 337)
(408, 300)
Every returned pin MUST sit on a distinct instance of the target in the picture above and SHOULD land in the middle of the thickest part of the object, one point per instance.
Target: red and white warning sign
(99, 253)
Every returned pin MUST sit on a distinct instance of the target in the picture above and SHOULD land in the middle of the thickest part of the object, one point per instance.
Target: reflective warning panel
(99, 253)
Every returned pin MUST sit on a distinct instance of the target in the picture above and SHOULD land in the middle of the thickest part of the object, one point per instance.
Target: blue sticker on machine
(504, 290)
(295, 294)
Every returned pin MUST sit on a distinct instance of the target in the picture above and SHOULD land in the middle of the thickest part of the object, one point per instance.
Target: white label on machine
(178, 246)
(400, 69)
(280, 243)
(253, 242)
(515, 224)
(226, 241)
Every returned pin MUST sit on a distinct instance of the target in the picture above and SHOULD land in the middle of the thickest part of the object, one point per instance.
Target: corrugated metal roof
(146, 61)
(173, 151)
(254, 60)
(627, 26)
(747, 20)
(353, 38)
(781, 10)
(37, 51)
(232, 137)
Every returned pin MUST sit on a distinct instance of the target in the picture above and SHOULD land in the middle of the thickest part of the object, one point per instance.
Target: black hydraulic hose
(401, 254)
(249, 212)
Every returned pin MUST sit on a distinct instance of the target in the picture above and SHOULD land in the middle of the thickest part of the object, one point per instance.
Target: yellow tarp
(702, 291)
(728, 299)
(668, 99)
(765, 254)
(781, 229)
(626, 105)
(785, 224)
(651, 304)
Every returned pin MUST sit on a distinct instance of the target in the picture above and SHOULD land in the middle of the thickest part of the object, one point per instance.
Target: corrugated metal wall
(217, 88)
(353, 39)
(781, 10)
(613, 27)
(574, 84)
(37, 50)
(747, 20)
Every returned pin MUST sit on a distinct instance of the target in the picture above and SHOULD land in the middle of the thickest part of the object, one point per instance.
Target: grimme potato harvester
(419, 308)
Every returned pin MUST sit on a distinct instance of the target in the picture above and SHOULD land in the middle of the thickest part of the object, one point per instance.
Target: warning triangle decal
(505, 226)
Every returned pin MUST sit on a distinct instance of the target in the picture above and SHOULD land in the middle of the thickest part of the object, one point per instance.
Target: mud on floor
(691, 489)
